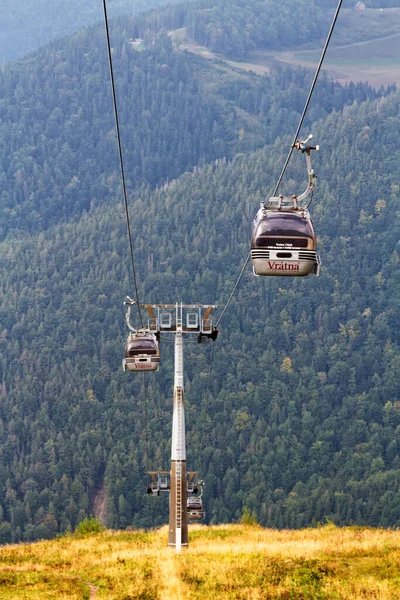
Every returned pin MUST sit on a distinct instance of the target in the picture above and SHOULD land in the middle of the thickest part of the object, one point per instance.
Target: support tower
(178, 319)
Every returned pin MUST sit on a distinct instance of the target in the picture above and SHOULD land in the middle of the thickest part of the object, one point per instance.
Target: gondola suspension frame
(283, 239)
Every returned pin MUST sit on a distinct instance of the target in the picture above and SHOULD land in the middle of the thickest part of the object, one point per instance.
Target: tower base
(178, 521)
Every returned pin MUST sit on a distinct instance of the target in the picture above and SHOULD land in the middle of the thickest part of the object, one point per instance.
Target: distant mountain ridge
(232, 28)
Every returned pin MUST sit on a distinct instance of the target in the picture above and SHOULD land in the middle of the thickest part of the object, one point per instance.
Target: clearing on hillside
(365, 47)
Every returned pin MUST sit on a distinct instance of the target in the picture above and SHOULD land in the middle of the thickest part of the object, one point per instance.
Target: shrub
(89, 525)
(248, 517)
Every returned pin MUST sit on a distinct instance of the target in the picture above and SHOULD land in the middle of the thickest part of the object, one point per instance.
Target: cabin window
(142, 346)
(281, 243)
(137, 351)
(285, 226)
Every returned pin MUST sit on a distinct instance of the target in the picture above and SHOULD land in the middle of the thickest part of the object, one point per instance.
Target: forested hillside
(304, 419)
(304, 414)
(25, 26)
(235, 27)
(231, 28)
(57, 144)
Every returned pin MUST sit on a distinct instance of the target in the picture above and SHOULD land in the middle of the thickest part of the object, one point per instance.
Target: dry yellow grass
(224, 562)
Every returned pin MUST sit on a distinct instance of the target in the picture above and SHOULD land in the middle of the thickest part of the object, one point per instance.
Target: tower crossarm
(179, 317)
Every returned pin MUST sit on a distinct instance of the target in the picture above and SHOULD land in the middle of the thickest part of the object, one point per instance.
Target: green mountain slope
(236, 27)
(58, 152)
(231, 28)
(58, 147)
(304, 418)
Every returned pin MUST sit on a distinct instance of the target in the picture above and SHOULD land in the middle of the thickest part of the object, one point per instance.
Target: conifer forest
(303, 419)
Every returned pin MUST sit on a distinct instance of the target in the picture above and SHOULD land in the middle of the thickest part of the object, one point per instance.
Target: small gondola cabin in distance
(195, 508)
(142, 350)
(283, 241)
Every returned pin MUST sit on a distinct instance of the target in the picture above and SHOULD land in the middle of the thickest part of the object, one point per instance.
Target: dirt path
(334, 47)
(168, 567)
(100, 506)
(93, 590)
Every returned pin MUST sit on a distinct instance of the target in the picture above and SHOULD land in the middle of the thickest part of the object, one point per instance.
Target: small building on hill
(137, 42)
(360, 6)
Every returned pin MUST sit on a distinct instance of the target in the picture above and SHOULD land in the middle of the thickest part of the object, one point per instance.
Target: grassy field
(222, 562)
(353, 26)
(365, 47)
(376, 61)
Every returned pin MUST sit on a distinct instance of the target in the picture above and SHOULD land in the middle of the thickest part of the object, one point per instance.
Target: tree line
(304, 415)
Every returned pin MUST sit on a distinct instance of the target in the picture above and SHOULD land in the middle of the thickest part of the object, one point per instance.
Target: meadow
(222, 562)
(365, 47)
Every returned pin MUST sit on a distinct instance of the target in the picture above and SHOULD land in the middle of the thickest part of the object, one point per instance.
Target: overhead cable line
(275, 192)
(294, 141)
(207, 398)
(121, 162)
(234, 289)
(309, 96)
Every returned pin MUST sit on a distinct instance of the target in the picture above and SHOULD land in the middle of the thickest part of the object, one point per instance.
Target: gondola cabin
(195, 510)
(142, 352)
(283, 243)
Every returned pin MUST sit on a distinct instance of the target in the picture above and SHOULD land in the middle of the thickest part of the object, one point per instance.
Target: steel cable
(248, 256)
(233, 290)
(275, 192)
(121, 162)
(309, 96)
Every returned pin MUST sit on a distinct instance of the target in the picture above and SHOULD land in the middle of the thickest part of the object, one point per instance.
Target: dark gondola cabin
(142, 352)
(195, 510)
(283, 243)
